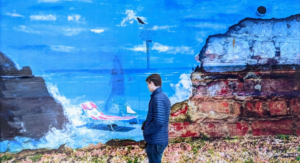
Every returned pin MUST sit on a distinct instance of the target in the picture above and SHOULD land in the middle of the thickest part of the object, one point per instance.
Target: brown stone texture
(255, 109)
(295, 107)
(261, 128)
(298, 127)
(238, 129)
(179, 112)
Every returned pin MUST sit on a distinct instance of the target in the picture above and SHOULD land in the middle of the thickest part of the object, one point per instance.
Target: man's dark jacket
(157, 121)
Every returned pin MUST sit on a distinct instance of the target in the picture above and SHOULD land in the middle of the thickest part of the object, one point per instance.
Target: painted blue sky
(88, 34)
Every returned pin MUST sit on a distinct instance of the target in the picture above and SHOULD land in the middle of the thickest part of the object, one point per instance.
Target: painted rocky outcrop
(26, 107)
(248, 83)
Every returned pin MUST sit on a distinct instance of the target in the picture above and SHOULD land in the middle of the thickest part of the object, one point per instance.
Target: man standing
(155, 127)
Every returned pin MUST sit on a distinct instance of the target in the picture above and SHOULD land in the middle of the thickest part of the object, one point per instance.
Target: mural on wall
(68, 66)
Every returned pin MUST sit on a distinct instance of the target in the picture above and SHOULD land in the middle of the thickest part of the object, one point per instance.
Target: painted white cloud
(43, 17)
(14, 15)
(23, 28)
(141, 48)
(49, 30)
(164, 49)
(166, 27)
(74, 18)
(62, 48)
(173, 50)
(209, 25)
(182, 89)
(130, 18)
(57, 1)
(97, 30)
(72, 31)
(48, 1)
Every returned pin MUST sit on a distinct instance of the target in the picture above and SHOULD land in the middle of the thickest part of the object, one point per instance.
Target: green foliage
(129, 148)
(204, 138)
(196, 148)
(5, 158)
(249, 161)
(283, 137)
(133, 161)
(95, 160)
(211, 151)
(298, 158)
(36, 157)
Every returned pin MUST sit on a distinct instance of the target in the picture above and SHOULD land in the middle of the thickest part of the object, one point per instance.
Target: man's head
(153, 81)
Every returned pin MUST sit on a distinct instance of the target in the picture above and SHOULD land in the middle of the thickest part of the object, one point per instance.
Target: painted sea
(111, 90)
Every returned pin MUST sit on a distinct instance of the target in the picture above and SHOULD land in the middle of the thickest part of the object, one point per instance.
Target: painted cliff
(247, 84)
(26, 107)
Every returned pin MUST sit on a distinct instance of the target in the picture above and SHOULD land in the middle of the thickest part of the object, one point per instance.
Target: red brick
(219, 107)
(246, 88)
(214, 109)
(254, 109)
(215, 129)
(298, 127)
(219, 88)
(260, 128)
(184, 129)
(295, 106)
(238, 129)
(278, 108)
(298, 124)
(279, 86)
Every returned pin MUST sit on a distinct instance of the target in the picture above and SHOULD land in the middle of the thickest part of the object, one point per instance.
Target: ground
(280, 148)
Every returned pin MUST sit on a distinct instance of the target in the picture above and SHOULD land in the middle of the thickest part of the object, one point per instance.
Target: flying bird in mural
(140, 20)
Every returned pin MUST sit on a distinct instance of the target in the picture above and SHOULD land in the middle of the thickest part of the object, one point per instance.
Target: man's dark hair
(155, 78)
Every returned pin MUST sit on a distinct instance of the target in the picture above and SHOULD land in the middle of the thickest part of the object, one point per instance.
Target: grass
(250, 161)
(133, 161)
(5, 158)
(283, 137)
(36, 157)
(246, 150)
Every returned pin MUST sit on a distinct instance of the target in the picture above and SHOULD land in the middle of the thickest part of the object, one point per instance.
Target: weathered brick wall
(247, 84)
(239, 104)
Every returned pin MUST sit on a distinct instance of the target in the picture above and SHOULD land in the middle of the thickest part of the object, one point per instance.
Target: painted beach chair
(129, 111)
(93, 112)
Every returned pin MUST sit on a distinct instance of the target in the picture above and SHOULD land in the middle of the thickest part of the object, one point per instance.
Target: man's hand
(143, 125)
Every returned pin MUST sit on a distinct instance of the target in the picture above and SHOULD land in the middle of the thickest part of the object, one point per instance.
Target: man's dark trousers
(155, 152)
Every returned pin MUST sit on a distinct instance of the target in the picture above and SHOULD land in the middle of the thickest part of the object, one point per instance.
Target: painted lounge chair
(93, 112)
(129, 111)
